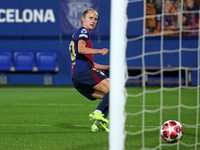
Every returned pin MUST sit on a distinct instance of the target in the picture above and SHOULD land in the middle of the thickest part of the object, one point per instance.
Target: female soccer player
(86, 75)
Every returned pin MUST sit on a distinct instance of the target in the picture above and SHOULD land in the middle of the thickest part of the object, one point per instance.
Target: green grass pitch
(56, 118)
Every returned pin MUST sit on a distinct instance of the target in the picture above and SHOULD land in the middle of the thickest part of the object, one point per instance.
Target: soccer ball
(171, 131)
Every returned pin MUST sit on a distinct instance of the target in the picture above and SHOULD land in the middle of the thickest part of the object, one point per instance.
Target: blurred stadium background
(34, 40)
(29, 27)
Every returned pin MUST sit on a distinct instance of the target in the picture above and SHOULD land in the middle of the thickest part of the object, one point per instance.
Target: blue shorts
(85, 81)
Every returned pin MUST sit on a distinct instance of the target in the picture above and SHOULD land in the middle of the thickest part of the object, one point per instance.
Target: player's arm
(101, 67)
(82, 49)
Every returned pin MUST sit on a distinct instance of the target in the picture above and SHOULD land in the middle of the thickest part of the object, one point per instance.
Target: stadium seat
(46, 61)
(5, 60)
(24, 60)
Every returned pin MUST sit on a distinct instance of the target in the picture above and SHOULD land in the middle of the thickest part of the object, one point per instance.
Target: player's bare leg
(103, 86)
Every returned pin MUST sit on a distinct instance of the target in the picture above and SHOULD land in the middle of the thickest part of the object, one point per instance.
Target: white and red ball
(171, 131)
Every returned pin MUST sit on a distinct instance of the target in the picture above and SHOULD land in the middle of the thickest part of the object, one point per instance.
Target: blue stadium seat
(24, 60)
(5, 60)
(46, 61)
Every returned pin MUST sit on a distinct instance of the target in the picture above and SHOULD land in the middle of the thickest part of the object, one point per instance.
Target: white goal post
(117, 74)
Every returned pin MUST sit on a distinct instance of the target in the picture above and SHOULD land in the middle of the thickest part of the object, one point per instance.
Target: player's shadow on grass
(85, 128)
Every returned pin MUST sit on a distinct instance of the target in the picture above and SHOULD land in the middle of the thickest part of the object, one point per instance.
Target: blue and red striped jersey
(80, 62)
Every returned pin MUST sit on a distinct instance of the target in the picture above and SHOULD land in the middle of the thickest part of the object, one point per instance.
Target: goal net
(162, 67)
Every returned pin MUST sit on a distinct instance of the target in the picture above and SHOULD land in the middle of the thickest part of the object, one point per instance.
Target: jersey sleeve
(83, 35)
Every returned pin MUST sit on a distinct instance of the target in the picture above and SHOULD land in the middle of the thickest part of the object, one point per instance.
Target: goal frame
(117, 74)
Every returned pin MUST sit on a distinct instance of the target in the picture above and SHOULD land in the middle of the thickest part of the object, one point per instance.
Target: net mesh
(163, 50)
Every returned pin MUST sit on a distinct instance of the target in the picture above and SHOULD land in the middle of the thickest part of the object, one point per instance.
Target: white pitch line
(26, 125)
(51, 104)
(38, 125)
(48, 125)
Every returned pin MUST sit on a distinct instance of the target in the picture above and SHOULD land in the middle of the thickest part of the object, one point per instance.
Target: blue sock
(103, 105)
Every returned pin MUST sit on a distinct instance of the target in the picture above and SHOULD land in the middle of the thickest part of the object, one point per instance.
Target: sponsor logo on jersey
(102, 73)
(26, 16)
(83, 31)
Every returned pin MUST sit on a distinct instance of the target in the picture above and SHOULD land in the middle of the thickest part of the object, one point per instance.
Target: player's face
(90, 20)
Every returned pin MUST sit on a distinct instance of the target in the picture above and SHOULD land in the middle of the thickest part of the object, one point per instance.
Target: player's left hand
(104, 51)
